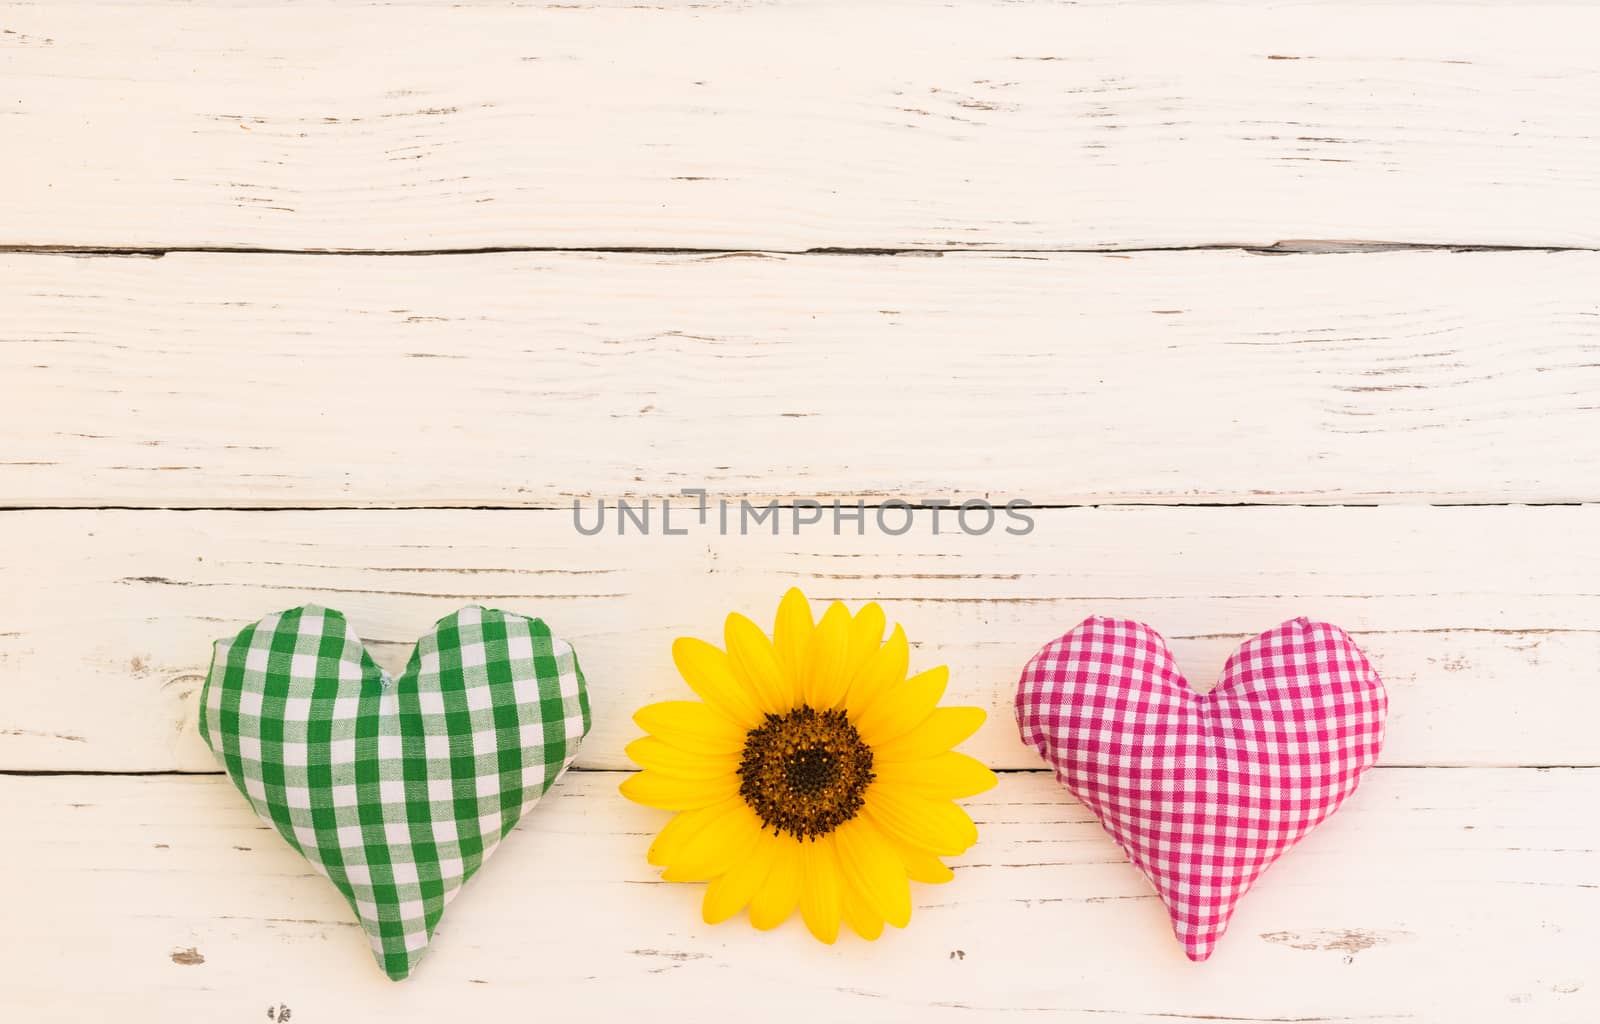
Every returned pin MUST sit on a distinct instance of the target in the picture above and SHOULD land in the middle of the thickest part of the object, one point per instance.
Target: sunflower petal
(671, 838)
(725, 839)
(920, 865)
(791, 632)
(904, 708)
(941, 730)
(875, 870)
(708, 672)
(669, 843)
(650, 752)
(866, 636)
(949, 775)
(819, 888)
(882, 673)
(858, 913)
(732, 891)
(823, 680)
(654, 789)
(691, 725)
(753, 660)
(774, 901)
(938, 826)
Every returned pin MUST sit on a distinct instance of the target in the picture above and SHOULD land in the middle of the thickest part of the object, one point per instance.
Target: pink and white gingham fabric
(1203, 792)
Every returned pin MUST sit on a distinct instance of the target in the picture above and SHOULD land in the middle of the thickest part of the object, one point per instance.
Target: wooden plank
(1482, 620)
(528, 379)
(987, 124)
(1435, 895)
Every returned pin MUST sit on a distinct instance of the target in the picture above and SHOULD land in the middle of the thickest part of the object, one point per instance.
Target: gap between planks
(1285, 247)
(785, 506)
(179, 773)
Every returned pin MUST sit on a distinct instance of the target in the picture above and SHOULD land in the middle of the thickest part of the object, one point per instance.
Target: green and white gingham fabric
(396, 789)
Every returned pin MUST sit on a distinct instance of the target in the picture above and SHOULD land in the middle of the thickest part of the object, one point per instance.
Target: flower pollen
(805, 772)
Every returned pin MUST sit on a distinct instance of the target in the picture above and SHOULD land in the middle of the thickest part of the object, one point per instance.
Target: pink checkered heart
(1204, 791)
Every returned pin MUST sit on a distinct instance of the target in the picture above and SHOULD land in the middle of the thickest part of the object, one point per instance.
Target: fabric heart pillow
(1204, 792)
(396, 789)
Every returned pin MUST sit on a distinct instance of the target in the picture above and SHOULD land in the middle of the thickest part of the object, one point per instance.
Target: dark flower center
(806, 772)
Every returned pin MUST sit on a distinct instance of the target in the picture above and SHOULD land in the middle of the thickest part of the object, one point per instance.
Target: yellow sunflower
(811, 773)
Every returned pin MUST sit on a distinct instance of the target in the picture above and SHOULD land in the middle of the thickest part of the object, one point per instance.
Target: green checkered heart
(396, 789)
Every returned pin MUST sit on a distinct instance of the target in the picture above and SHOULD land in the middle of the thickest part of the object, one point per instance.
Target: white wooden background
(1279, 309)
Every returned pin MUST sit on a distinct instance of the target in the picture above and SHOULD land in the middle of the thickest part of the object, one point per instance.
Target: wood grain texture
(1481, 620)
(528, 379)
(793, 126)
(1434, 895)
